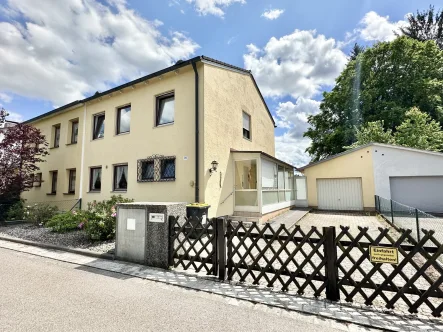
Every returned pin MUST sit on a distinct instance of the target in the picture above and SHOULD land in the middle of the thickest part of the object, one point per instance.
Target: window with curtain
(120, 177)
(95, 183)
(99, 126)
(246, 125)
(56, 136)
(74, 132)
(269, 175)
(165, 109)
(71, 185)
(124, 120)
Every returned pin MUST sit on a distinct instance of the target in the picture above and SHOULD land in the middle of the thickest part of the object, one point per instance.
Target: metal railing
(407, 217)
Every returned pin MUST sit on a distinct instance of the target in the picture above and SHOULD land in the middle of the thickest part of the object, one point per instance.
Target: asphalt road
(40, 294)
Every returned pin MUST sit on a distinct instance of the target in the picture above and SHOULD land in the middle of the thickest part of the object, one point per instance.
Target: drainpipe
(82, 160)
(197, 182)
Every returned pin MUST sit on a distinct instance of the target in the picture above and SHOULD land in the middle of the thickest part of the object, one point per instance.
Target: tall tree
(419, 131)
(372, 132)
(356, 50)
(21, 149)
(425, 25)
(382, 83)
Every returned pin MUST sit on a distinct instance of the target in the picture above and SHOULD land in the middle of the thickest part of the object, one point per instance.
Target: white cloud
(5, 98)
(63, 50)
(14, 117)
(299, 64)
(213, 7)
(374, 27)
(292, 150)
(272, 14)
(295, 116)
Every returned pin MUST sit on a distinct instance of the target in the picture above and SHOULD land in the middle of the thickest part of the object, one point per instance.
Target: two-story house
(198, 131)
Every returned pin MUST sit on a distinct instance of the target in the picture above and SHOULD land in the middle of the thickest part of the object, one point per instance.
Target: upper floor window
(120, 177)
(124, 120)
(74, 131)
(99, 126)
(246, 125)
(71, 183)
(95, 180)
(54, 182)
(165, 109)
(56, 136)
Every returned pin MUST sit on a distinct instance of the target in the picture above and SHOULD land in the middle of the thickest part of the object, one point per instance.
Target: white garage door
(340, 194)
(422, 192)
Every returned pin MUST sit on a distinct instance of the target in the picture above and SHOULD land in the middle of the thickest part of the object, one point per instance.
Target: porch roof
(266, 155)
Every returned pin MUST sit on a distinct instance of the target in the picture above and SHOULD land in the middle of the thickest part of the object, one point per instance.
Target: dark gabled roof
(179, 64)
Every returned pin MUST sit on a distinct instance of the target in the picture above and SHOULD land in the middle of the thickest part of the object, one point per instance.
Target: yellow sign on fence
(383, 255)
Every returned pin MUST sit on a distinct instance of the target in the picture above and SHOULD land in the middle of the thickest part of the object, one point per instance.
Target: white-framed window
(246, 125)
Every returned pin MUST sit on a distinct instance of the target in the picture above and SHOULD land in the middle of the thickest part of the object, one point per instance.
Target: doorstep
(240, 292)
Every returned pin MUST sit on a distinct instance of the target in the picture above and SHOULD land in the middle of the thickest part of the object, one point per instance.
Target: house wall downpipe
(197, 159)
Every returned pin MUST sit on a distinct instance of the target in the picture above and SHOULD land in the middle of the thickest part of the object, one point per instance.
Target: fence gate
(193, 244)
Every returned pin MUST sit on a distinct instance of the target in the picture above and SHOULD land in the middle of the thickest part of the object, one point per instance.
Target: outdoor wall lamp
(214, 167)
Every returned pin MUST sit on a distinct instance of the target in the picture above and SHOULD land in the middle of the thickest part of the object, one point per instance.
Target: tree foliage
(418, 131)
(425, 25)
(21, 149)
(381, 84)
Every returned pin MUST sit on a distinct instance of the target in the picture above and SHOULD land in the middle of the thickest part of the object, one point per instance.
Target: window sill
(94, 192)
(71, 143)
(69, 193)
(248, 139)
(51, 194)
(97, 139)
(54, 147)
(119, 191)
(164, 125)
(122, 134)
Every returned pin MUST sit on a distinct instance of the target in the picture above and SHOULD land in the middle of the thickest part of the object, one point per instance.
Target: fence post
(392, 211)
(331, 268)
(418, 224)
(171, 221)
(221, 248)
(377, 204)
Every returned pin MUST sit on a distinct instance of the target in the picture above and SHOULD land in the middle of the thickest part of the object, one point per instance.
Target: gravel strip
(74, 239)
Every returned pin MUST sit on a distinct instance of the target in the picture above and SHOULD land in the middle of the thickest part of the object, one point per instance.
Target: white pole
(83, 152)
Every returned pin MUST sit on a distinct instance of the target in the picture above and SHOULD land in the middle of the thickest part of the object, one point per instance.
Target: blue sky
(60, 51)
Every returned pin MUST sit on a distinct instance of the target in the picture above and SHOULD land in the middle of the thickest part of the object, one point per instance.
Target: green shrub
(16, 211)
(39, 214)
(65, 222)
(100, 218)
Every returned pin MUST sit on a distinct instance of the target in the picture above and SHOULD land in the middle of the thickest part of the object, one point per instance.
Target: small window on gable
(124, 120)
(165, 109)
(246, 125)
(99, 126)
(56, 141)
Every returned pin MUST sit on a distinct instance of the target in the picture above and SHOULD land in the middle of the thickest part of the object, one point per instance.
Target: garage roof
(301, 169)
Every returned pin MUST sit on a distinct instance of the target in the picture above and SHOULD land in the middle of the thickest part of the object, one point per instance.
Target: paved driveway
(337, 219)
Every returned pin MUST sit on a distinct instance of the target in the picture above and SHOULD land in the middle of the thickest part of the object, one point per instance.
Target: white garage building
(349, 181)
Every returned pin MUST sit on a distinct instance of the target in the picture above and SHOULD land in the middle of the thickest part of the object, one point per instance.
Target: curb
(83, 252)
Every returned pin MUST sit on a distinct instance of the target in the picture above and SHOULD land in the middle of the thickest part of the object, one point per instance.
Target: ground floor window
(120, 177)
(71, 184)
(246, 183)
(277, 183)
(95, 181)
(54, 175)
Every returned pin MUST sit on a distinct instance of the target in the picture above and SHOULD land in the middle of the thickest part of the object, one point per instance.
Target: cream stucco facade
(225, 92)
